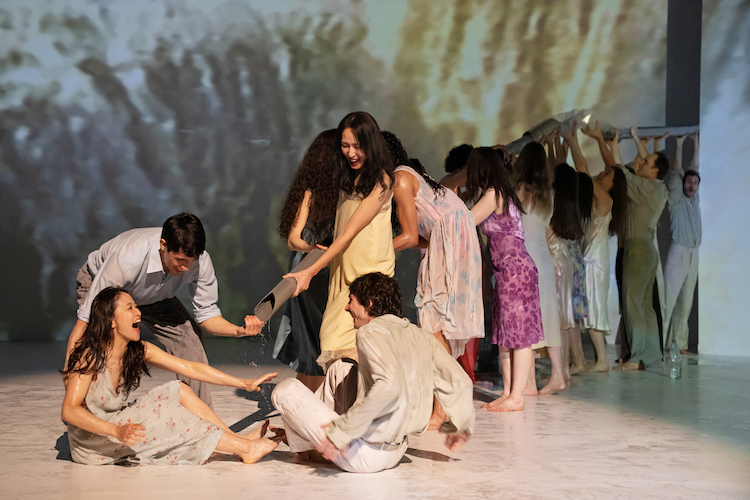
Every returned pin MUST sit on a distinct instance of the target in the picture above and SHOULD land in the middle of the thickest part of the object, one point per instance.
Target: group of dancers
(540, 263)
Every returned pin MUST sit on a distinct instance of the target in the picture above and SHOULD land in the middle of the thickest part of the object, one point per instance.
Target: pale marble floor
(618, 435)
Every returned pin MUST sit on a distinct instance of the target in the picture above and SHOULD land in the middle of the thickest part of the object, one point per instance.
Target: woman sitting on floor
(167, 425)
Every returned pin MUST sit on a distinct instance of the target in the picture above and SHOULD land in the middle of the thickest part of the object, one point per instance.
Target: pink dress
(449, 286)
(516, 313)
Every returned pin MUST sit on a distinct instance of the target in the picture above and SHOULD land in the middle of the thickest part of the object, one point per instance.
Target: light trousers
(305, 414)
(640, 263)
(681, 275)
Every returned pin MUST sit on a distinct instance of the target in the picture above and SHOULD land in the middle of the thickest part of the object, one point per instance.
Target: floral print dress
(516, 313)
(173, 434)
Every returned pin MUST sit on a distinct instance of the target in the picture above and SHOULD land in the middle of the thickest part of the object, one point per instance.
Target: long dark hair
(457, 157)
(566, 217)
(532, 174)
(315, 174)
(377, 157)
(619, 194)
(485, 170)
(585, 197)
(90, 353)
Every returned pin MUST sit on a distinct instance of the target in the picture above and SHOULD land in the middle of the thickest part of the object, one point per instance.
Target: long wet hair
(532, 174)
(485, 170)
(619, 194)
(315, 174)
(90, 353)
(566, 216)
(585, 197)
(377, 165)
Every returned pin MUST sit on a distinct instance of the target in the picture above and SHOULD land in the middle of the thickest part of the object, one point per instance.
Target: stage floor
(617, 435)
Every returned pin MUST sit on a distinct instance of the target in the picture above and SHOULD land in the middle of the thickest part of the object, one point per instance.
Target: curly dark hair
(378, 293)
(585, 197)
(532, 174)
(314, 174)
(377, 164)
(566, 217)
(457, 157)
(90, 353)
(184, 232)
(619, 194)
(485, 170)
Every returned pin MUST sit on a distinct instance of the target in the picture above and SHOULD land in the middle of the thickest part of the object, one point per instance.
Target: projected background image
(116, 115)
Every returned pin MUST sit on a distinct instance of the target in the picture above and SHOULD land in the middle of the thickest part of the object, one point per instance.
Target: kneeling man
(401, 369)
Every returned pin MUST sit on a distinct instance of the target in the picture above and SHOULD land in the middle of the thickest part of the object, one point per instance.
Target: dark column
(684, 20)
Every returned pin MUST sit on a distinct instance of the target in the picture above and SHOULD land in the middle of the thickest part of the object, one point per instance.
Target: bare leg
(565, 350)
(557, 379)
(522, 360)
(600, 346)
(312, 382)
(506, 368)
(196, 406)
(439, 336)
(576, 350)
(438, 414)
(531, 389)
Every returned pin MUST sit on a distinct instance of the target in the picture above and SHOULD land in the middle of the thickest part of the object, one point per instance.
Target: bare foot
(257, 449)
(598, 368)
(257, 433)
(575, 369)
(499, 400)
(554, 385)
(507, 404)
(531, 389)
(630, 365)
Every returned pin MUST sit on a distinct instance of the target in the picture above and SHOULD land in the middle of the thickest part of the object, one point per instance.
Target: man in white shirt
(153, 264)
(401, 369)
(681, 272)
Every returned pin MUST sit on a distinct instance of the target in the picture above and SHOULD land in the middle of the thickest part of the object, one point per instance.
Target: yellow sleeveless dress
(370, 251)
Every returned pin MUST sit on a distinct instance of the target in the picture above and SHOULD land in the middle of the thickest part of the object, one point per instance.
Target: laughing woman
(167, 425)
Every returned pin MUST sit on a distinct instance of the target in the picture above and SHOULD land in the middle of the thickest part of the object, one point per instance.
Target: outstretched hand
(253, 384)
(130, 433)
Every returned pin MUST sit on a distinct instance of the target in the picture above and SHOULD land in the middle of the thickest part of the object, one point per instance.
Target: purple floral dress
(516, 313)
(173, 434)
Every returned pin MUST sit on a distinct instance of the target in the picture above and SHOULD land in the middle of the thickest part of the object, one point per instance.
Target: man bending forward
(401, 369)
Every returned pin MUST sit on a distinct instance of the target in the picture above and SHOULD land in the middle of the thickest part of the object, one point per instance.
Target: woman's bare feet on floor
(629, 366)
(575, 369)
(257, 449)
(598, 368)
(554, 385)
(504, 404)
(257, 433)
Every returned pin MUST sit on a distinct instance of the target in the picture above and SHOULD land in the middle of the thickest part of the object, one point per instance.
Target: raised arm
(199, 371)
(642, 150)
(75, 413)
(614, 146)
(570, 136)
(403, 194)
(596, 134)
(295, 241)
(657, 143)
(362, 216)
(695, 160)
(677, 163)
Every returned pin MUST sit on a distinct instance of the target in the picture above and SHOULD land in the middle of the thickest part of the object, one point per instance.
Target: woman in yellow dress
(362, 235)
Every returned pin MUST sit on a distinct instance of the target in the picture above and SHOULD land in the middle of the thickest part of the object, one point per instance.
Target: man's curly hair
(378, 293)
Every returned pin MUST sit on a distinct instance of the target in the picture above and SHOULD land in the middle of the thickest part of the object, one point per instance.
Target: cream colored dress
(596, 260)
(370, 251)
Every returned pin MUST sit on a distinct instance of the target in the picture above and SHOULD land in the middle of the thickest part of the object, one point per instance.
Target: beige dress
(370, 251)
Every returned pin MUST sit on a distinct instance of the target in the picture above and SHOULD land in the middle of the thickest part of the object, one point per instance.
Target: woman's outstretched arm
(74, 413)
(362, 216)
(200, 371)
(596, 134)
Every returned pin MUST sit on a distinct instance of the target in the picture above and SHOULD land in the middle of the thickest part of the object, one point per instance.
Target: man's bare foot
(257, 433)
(506, 404)
(257, 449)
(576, 369)
(554, 385)
(685, 352)
(598, 368)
